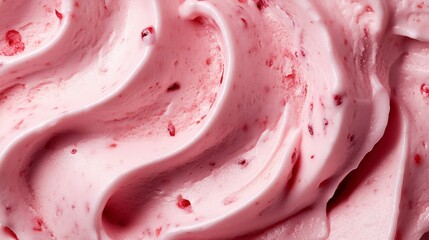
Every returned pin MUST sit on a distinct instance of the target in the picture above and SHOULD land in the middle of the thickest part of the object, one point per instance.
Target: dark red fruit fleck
(9, 232)
(243, 162)
(113, 145)
(208, 61)
(294, 174)
(418, 159)
(310, 129)
(245, 128)
(59, 15)
(74, 151)
(38, 224)
(173, 87)
(147, 31)
(14, 40)
(212, 164)
(294, 156)
(338, 100)
(13, 37)
(183, 203)
(269, 62)
(261, 4)
(171, 129)
(424, 89)
(325, 122)
(244, 22)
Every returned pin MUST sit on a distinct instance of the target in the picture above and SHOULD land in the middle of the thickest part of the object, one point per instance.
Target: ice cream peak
(214, 119)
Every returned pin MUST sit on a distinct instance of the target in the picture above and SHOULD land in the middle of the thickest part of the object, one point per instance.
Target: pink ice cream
(214, 119)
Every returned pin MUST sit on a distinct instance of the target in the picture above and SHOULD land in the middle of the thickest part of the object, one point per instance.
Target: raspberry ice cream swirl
(214, 119)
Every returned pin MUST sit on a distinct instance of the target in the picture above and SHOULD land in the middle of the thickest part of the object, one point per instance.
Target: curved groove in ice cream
(214, 119)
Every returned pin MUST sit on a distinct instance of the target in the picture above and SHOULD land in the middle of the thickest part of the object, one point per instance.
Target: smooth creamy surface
(214, 119)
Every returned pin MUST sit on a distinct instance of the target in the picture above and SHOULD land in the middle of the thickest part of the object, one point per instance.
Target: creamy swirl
(214, 119)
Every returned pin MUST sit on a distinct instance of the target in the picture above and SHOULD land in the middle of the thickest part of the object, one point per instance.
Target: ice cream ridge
(214, 119)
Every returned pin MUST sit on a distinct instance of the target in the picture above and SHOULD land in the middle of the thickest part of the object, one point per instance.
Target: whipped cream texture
(214, 119)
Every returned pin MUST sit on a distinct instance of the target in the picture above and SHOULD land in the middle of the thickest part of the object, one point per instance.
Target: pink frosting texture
(214, 119)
